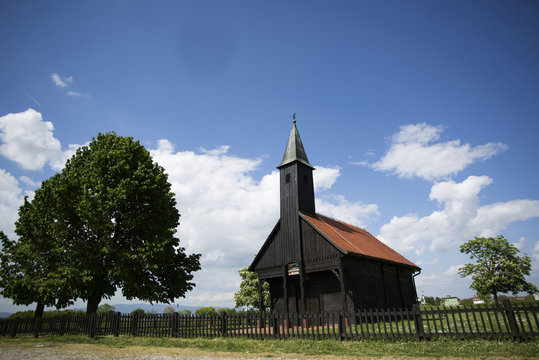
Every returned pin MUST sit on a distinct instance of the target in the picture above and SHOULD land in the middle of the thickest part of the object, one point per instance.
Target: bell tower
(296, 186)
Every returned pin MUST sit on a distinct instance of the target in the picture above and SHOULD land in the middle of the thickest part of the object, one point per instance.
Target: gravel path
(89, 352)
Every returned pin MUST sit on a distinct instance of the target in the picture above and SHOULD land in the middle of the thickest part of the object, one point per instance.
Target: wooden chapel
(316, 264)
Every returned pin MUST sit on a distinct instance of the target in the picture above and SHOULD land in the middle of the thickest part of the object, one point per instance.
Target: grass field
(472, 349)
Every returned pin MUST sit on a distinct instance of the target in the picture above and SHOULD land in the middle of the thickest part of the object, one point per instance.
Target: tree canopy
(248, 295)
(498, 267)
(109, 219)
(33, 268)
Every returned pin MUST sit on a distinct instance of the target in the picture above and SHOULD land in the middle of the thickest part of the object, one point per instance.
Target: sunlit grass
(309, 347)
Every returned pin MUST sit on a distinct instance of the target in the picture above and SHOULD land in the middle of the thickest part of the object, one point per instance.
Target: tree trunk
(93, 303)
(40, 308)
(496, 298)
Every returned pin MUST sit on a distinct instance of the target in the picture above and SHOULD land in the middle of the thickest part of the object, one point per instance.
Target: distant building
(451, 301)
(317, 264)
(477, 301)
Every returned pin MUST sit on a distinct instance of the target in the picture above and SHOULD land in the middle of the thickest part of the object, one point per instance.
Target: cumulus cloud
(535, 252)
(338, 207)
(226, 214)
(61, 81)
(461, 218)
(29, 141)
(415, 152)
(11, 199)
(444, 281)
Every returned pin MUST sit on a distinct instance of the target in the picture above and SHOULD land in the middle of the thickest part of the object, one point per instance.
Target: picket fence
(490, 322)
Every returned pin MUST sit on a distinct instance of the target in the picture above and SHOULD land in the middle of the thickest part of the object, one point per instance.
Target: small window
(287, 178)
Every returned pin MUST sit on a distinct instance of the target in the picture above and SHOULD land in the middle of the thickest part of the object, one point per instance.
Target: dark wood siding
(278, 252)
(375, 283)
(316, 248)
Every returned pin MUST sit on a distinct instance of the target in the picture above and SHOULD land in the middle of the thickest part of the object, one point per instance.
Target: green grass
(367, 348)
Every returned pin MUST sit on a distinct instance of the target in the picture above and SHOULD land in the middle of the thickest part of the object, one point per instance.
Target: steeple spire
(294, 148)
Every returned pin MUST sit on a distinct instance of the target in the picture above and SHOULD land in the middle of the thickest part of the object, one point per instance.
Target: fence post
(62, 325)
(37, 326)
(276, 325)
(15, 325)
(92, 325)
(418, 321)
(511, 319)
(223, 324)
(342, 330)
(116, 324)
(134, 324)
(174, 319)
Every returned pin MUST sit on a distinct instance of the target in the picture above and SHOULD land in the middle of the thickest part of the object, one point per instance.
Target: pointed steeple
(294, 149)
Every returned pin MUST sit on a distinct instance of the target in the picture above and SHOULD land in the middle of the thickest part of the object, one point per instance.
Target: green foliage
(106, 309)
(185, 312)
(208, 310)
(107, 221)
(33, 268)
(169, 310)
(248, 294)
(227, 311)
(434, 301)
(28, 314)
(498, 268)
(138, 311)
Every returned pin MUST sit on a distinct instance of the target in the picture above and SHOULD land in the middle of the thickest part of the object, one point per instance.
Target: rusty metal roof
(352, 239)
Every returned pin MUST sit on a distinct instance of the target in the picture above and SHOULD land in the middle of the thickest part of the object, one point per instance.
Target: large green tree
(498, 268)
(106, 222)
(117, 220)
(248, 294)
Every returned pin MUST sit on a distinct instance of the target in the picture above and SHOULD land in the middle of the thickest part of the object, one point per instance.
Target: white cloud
(446, 282)
(535, 252)
(324, 178)
(461, 218)
(520, 244)
(61, 81)
(29, 182)
(29, 141)
(226, 214)
(11, 199)
(339, 208)
(413, 153)
(77, 94)
(64, 82)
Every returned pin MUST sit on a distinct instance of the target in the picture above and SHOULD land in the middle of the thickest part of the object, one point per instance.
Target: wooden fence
(490, 322)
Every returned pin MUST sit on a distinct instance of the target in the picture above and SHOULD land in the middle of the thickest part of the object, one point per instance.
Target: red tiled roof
(353, 239)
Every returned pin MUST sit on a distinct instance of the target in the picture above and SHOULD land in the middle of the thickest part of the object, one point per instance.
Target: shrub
(105, 309)
(208, 310)
(138, 311)
(168, 310)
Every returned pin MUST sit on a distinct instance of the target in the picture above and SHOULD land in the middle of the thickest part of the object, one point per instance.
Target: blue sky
(421, 117)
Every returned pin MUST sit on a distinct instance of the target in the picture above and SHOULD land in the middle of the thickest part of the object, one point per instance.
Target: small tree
(138, 311)
(168, 310)
(105, 309)
(34, 268)
(208, 310)
(185, 312)
(248, 295)
(498, 268)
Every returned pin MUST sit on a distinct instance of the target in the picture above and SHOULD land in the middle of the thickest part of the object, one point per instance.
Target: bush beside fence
(488, 322)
